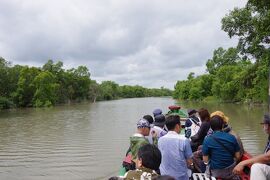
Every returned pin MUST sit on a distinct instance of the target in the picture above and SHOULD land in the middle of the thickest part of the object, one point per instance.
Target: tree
(46, 89)
(26, 88)
(222, 57)
(251, 25)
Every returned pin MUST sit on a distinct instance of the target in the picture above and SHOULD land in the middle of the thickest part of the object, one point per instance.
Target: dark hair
(150, 156)
(172, 121)
(204, 114)
(216, 123)
(149, 118)
(114, 178)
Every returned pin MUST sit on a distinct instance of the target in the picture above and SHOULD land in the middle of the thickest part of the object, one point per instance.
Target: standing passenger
(175, 150)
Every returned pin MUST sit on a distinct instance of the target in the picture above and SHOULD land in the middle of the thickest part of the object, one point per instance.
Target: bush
(5, 103)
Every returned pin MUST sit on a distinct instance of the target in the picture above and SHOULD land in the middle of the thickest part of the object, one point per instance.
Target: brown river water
(88, 141)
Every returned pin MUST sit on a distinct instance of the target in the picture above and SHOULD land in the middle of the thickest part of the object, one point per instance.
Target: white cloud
(152, 43)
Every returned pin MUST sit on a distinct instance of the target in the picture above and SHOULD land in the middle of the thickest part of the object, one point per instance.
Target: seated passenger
(198, 138)
(147, 163)
(219, 150)
(228, 129)
(260, 169)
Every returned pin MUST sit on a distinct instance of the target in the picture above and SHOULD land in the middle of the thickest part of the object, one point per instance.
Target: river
(88, 141)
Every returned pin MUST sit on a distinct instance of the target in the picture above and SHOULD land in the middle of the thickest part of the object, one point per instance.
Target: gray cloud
(151, 43)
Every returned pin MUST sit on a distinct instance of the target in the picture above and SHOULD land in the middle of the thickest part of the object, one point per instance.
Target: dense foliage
(23, 86)
(240, 73)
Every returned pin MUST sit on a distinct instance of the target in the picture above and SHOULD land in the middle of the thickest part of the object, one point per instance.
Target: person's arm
(189, 162)
(205, 151)
(237, 156)
(188, 153)
(264, 158)
(205, 159)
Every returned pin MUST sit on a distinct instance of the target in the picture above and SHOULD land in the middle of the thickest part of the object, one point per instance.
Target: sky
(151, 43)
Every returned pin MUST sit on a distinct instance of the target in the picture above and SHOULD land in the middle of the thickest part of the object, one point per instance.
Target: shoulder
(134, 174)
(188, 122)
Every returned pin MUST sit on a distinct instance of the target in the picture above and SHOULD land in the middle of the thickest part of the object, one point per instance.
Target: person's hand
(238, 168)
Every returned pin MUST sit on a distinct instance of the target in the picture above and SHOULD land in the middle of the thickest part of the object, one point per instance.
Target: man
(136, 141)
(147, 163)
(260, 169)
(175, 150)
(157, 112)
(159, 124)
(192, 124)
(220, 149)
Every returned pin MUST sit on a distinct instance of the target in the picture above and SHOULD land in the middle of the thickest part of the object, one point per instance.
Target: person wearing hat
(158, 128)
(157, 112)
(260, 168)
(220, 150)
(228, 129)
(192, 124)
(136, 141)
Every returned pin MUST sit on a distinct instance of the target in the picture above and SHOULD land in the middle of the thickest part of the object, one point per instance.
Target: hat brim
(226, 119)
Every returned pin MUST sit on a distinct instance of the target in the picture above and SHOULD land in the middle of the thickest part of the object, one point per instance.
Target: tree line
(24, 86)
(236, 74)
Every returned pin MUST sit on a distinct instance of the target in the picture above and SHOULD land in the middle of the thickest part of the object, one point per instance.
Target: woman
(198, 138)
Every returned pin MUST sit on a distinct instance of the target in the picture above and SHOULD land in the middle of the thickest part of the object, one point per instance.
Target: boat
(177, 110)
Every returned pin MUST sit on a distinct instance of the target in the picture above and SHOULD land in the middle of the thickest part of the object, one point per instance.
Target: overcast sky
(151, 43)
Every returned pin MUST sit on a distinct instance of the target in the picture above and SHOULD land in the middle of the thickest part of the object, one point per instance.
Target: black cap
(191, 111)
(159, 120)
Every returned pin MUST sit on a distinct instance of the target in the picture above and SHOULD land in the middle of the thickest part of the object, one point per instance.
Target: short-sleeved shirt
(175, 150)
(220, 157)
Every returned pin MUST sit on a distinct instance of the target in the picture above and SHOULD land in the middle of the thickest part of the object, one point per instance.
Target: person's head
(148, 156)
(216, 123)
(173, 123)
(149, 118)
(204, 114)
(222, 115)
(163, 177)
(143, 127)
(159, 120)
(266, 123)
(157, 112)
(192, 112)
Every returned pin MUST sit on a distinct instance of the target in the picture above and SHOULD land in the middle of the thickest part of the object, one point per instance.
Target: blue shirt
(220, 157)
(175, 150)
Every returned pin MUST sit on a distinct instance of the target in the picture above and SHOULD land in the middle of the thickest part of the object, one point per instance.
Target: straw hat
(221, 114)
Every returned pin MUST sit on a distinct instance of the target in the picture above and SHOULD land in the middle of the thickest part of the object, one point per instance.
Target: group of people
(162, 149)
